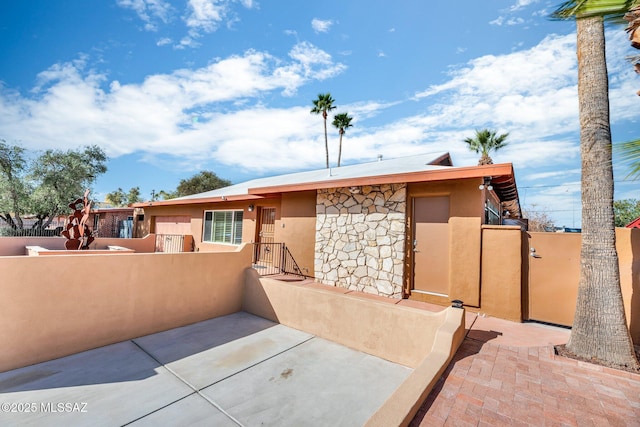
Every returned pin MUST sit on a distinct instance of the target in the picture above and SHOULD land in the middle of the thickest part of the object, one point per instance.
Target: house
(112, 222)
(634, 224)
(379, 227)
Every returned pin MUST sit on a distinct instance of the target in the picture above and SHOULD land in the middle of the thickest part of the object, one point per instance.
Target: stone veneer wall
(360, 238)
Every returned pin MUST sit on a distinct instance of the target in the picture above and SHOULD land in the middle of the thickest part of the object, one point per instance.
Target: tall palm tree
(485, 141)
(599, 326)
(342, 122)
(322, 105)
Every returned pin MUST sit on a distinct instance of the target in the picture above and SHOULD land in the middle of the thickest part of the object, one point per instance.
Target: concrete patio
(238, 369)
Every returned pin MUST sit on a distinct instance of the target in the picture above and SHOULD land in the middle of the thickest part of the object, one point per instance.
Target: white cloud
(70, 107)
(205, 15)
(164, 41)
(501, 20)
(521, 4)
(321, 26)
(534, 89)
(149, 11)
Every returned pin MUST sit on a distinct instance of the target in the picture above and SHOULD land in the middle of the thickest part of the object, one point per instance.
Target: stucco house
(379, 227)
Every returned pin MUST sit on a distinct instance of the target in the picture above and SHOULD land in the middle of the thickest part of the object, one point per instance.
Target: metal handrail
(274, 258)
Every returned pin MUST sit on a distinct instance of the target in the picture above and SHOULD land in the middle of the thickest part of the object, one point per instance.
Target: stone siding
(360, 238)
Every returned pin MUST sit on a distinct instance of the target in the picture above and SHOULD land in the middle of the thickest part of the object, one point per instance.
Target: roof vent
(379, 157)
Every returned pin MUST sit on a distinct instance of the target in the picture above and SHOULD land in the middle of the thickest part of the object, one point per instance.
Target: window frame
(235, 240)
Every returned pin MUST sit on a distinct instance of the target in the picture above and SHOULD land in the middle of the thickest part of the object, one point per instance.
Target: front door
(266, 229)
(430, 246)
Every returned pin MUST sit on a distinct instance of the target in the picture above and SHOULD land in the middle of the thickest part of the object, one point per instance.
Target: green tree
(120, 198)
(599, 327)
(323, 105)
(342, 122)
(134, 195)
(486, 141)
(61, 177)
(44, 187)
(116, 198)
(626, 211)
(14, 188)
(199, 183)
(165, 195)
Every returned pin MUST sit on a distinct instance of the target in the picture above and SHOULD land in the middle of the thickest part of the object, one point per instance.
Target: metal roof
(396, 166)
(417, 168)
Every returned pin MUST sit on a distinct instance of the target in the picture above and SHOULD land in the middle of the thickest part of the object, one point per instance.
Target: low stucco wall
(56, 306)
(422, 340)
(15, 246)
(400, 334)
(402, 406)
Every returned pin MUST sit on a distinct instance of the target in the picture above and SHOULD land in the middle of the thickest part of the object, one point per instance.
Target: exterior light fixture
(251, 208)
(486, 184)
(354, 190)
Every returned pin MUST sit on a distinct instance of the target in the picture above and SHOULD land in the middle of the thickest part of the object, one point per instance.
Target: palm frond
(629, 153)
(608, 9)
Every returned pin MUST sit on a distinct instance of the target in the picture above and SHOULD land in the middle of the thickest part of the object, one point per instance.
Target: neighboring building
(112, 222)
(376, 227)
(634, 224)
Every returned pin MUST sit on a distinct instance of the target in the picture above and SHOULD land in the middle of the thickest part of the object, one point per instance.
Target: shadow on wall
(635, 286)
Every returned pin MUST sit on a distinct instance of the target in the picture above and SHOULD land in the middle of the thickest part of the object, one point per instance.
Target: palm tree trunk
(340, 149)
(326, 141)
(599, 327)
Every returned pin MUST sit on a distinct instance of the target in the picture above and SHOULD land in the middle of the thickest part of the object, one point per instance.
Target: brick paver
(506, 374)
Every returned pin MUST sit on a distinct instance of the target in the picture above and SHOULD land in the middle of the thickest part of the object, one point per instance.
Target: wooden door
(431, 245)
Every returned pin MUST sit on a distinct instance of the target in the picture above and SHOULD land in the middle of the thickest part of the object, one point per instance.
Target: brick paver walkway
(505, 374)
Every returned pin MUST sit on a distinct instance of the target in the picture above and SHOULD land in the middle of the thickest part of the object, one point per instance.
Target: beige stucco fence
(56, 306)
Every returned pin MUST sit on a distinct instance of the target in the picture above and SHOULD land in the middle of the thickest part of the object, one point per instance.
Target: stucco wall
(15, 246)
(465, 198)
(56, 306)
(360, 238)
(378, 328)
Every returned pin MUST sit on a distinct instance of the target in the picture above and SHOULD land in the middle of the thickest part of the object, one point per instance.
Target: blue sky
(170, 88)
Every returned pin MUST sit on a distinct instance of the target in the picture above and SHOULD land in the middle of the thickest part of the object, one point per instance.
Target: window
(223, 227)
(491, 213)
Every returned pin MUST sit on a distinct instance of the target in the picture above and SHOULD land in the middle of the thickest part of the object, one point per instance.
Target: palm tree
(484, 142)
(599, 326)
(341, 121)
(322, 105)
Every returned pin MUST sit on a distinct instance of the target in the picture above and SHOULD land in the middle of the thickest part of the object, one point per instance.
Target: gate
(554, 275)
